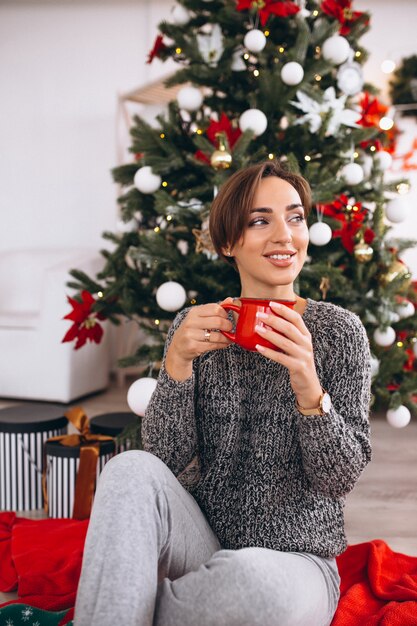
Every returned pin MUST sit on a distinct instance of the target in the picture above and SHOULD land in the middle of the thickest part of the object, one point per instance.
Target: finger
(213, 323)
(281, 325)
(280, 341)
(289, 314)
(279, 357)
(209, 310)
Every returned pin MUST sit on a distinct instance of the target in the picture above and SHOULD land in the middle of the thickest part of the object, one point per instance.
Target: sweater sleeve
(168, 427)
(336, 447)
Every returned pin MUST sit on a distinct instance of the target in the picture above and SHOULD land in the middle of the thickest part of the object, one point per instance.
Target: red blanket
(42, 560)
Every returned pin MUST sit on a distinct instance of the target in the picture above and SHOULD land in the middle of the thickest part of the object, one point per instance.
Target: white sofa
(34, 363)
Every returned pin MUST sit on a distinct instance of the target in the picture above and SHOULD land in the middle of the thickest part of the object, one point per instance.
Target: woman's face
(273, 248)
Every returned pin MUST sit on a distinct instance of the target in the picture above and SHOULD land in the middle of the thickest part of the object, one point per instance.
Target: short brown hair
(231, 206)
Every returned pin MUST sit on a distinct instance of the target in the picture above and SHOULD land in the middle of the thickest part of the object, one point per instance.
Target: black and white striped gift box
(112, 424)
(61, 473)
(23, 431)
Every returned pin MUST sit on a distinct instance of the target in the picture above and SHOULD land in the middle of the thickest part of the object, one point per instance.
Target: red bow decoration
(342, 11)
(158, 47)
(266, 8)
(85, 327)
(351, 221)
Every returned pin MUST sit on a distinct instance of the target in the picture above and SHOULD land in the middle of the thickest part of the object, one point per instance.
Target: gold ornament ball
(397, 269)
(363, 252)
(221, 159)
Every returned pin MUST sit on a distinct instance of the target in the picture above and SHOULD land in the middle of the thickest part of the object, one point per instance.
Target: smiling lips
(280, 258)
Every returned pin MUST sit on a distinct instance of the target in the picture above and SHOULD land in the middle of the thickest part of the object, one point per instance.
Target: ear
(227, 252)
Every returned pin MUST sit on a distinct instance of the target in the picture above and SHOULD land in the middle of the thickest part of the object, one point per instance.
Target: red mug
(245, 334)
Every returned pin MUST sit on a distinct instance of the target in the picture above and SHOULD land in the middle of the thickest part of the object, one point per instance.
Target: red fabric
(378, 586)
(41, 559)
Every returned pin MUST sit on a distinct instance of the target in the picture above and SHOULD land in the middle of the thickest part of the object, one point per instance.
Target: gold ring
(207, 334)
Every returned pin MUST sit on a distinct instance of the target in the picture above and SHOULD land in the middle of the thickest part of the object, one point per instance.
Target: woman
(268, 443)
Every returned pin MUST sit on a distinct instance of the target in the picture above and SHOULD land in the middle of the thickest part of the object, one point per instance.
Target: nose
(282, 232)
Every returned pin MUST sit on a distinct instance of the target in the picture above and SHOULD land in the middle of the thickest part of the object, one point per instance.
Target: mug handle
(236, 309)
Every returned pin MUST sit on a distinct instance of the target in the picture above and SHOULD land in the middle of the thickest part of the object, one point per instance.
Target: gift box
(62, 471)
(23, 431)
(72, 464)
(113, 424)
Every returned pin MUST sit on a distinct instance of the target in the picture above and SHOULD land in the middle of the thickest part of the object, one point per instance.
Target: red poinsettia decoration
(266, 8)
(342, 11)
(158, 46)
(372, 111)
(351, 220)
(85, 327)
(223, 125)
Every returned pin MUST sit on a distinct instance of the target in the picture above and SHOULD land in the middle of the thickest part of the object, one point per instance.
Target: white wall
(62, 64)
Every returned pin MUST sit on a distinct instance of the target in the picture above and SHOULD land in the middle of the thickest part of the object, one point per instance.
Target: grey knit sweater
(269, 476)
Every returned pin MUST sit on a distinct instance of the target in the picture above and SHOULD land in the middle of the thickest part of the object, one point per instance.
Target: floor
(383, 504)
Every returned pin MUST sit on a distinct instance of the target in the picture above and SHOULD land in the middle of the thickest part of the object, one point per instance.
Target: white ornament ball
(189, 98)
(405, 309)
(398, 418)
(292, 73)
(374, 366)
(139, 394)
(180, 15)
(254, 40)
(171, 296)
(352, 173)
(383, 159)
(335, 49)
(384, 337)
(320, 233)
(254, 120)
(146, 181)
(396, 210)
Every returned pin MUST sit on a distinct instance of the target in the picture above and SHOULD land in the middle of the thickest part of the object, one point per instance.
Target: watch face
(326, 403)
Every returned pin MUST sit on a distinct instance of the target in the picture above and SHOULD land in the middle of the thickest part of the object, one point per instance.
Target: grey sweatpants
(151, 558)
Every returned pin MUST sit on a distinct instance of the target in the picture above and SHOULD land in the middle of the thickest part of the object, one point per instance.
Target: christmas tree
(261, 79)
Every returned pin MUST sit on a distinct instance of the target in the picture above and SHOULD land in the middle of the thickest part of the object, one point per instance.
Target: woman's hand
(198, 333)
(289, 333)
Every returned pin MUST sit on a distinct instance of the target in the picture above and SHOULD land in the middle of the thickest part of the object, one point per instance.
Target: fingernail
(260, 329)
(260, 348)
(262, 315)
(274, 305)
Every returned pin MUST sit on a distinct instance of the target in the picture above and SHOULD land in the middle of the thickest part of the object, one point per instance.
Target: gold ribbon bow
(89, 452)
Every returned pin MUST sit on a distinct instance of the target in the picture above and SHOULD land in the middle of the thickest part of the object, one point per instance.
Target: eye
(258, 220)
(297, 218)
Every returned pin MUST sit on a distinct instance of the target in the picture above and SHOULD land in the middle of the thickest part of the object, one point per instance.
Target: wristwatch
(325, 404)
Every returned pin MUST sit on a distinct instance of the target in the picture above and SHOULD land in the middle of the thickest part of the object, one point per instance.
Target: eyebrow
(289, 207)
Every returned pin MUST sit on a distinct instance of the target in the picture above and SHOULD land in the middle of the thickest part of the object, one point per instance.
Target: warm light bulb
(266, 33)
(157, 322)
(193, 301)
(386, 123)
(165, 184)
(199, 131)
(388, 66)
(156, 229)
(256, 73)
(162, 135)
(315, 13)
(318, 77)
(246, 56)
(372, 148)
(169, 218)
(178, 50)
(270, 156)
(355, 155)
(100, 294)
(403, 188)
(307, 158)
(400, 344)
(281, 49)
(358, 53)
